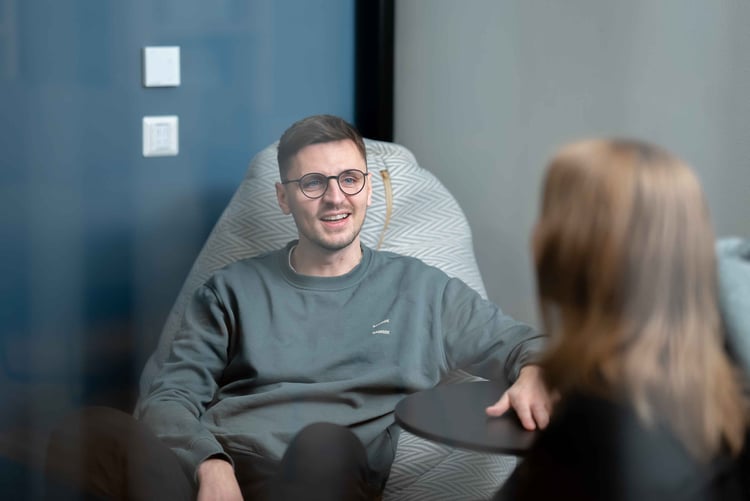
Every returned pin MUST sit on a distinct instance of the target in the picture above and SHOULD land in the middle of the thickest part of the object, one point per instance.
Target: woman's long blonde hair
(626, 277)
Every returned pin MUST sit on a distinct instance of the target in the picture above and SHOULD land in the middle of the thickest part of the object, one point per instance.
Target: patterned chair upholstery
(733, 254)
(412, 213)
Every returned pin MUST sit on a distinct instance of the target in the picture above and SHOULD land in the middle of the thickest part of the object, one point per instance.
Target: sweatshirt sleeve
(187, 382)
(482, 339)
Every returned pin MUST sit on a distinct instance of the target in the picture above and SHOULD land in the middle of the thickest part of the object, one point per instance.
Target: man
(284, 375)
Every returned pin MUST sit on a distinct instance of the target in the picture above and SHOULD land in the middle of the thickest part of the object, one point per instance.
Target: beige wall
(485, 90)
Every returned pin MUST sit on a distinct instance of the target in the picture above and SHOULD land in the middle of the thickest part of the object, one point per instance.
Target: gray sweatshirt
(263, 351)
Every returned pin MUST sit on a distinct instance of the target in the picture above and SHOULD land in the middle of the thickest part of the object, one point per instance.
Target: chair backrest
(734, 297)
(411, 213)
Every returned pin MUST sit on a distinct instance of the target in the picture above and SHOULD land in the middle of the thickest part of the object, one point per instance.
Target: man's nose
(333, 192)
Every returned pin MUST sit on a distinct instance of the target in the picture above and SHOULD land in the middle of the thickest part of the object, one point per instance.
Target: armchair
(412, 213)
(733, 255)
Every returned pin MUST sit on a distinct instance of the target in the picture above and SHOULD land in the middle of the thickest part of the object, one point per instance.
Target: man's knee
(88, 445)
(324, 461)
(329, 441)
(326, 435)
(87, 430)
(108, 452)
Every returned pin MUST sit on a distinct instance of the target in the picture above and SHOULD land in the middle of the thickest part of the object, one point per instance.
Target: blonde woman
(650, 405)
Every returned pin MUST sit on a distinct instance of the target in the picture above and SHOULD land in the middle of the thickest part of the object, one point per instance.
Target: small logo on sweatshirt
(378, 327)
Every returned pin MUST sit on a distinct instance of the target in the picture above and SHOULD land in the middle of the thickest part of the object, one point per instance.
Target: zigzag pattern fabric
(426, 222)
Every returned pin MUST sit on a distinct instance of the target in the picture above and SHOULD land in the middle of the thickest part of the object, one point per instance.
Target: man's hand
(216, 481)
(528, 397)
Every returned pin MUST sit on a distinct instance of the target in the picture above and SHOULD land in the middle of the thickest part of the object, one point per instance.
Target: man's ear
(369, 191)
(281, 198)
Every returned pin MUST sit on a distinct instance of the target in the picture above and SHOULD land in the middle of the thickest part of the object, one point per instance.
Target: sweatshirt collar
(347, 280)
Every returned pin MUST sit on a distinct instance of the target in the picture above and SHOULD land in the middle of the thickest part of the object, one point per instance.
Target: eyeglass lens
(314, 185)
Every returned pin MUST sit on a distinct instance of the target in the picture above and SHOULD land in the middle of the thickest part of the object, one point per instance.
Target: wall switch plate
(161, 136)
(161, 66)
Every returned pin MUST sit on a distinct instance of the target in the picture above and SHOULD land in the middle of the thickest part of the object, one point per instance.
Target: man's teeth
(337, 217)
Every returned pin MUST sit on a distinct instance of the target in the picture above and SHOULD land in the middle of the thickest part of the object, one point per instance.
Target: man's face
(333, 221)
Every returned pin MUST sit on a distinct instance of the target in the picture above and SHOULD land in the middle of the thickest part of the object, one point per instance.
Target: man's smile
(332, 218)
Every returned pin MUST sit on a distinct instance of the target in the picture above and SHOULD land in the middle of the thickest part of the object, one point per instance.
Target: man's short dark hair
(315, 129)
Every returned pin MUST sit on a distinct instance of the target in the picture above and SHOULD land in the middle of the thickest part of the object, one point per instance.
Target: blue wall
(96, 239)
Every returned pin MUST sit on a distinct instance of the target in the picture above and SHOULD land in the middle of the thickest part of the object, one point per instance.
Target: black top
(594, 449)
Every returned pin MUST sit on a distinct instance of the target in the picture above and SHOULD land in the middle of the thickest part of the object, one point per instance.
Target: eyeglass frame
(328, 182)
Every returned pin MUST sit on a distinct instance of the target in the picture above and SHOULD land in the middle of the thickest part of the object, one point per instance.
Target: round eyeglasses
(315, 185)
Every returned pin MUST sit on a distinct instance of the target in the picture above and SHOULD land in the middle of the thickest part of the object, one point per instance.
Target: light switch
(161, 66)
(161, 136)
